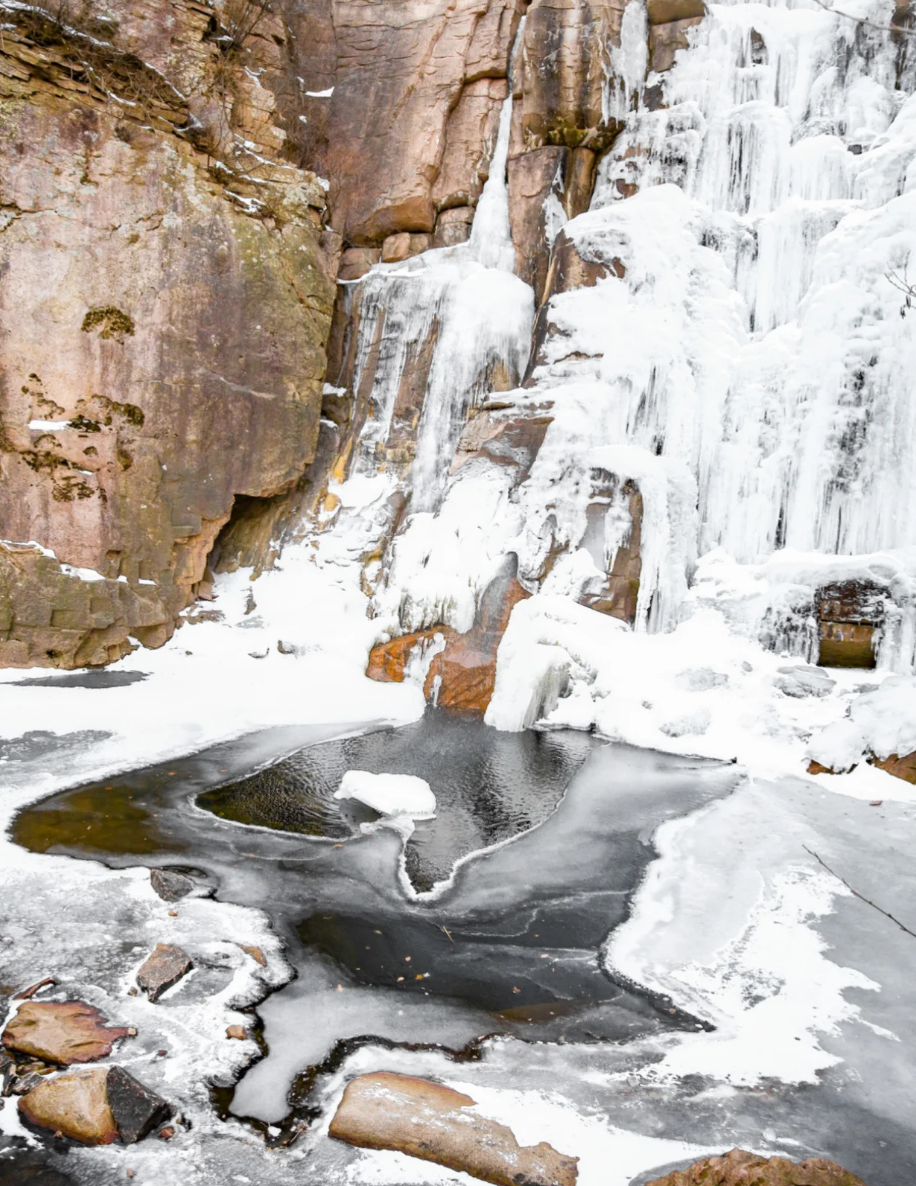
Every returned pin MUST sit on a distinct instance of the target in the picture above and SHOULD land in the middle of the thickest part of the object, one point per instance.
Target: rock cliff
(181, 184)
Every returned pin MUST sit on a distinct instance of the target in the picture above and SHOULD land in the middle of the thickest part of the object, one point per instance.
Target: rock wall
(180, 186)
(166, 297)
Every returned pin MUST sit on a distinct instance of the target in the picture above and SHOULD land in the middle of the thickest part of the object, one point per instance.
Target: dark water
(538, 843)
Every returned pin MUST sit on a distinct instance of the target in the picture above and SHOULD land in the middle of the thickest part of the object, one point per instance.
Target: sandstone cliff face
(163, 320)
(168, 260)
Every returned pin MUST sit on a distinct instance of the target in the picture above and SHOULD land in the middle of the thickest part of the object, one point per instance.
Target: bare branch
(861, 20)
(861, 897)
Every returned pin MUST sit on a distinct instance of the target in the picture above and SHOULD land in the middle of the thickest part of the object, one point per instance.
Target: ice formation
(389, 794)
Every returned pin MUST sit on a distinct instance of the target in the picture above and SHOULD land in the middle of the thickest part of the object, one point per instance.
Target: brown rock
(136, 1109)
(237, 1031)
(470, 137)
(665, 41)
(532, 177)
(170, 886)
(453, 226)
(662, 12)
(194, 319)
(426, 1120)
(61, 1032)
(162, 969)
(74, 1105)
(848, 613)
(901, 767)
(401, 71)
(356, 262)
(255, 952)
(561, 75)
(740, 1168)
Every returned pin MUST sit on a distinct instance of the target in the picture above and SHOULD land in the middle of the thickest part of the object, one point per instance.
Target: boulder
(171, 887)
(136, 1109)
(61, 1032)
(426, 1120)
(74, 1105)
(162, 969)
(740, 1168)
(849, 613)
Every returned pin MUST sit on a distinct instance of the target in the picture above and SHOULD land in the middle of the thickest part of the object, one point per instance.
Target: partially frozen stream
(491, 922)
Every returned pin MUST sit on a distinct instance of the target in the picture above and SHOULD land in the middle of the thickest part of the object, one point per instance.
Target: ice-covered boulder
(388, 794)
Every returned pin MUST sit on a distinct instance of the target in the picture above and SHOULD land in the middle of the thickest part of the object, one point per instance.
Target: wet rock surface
(429, 1121)
(61, 1032)
(136, 1109)
(170, 886)
(163, 969)
(74, 1105)
(740, 1168)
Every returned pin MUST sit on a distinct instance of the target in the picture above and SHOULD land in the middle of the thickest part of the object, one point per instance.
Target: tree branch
(861, 20)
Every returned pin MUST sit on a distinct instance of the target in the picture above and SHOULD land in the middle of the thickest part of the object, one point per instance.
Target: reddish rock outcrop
(63, 1032)
(159, 306)
(462, 674)
(407, 128)
(740, 1168)
(426, 1120)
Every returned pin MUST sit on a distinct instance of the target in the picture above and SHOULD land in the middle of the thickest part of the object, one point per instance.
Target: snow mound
(389, 794)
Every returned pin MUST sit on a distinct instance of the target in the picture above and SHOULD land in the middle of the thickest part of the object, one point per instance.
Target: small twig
(861, 897)
(861, 20)
(28, 993)
(448, 932)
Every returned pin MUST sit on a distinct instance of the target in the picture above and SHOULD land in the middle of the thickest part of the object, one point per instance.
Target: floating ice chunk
(48, 425)
(389, 794)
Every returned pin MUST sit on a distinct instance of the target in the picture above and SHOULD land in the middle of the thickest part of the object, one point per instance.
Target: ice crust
(389, 794)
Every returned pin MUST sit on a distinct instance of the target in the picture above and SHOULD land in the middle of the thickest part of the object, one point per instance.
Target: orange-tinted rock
(388, 660)
(665, 41)
(426, 1120)
(470, 137)
(74, 1105)
(127, 383)
(61, 1032)
(662, 12)
(901, 767)
(740, 1168)
(532, 177)
(453, 226)
(401, 73)
(162, 969)
(355, 262)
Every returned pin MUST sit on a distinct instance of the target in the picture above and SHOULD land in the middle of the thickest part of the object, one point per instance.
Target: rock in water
(75, 1105)
(61, 1032)
(163, 968)
(740, 1168)
(171, 887)
(388, 1111)
(136, 1109)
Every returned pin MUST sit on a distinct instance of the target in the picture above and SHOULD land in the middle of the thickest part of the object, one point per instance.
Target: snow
(389, 794)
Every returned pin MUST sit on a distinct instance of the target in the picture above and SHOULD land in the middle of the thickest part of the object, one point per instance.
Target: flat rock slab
(740, 1168)
(163, 968)
(171, 887)
(426, 1120)
(136, 1109)
(74, 1105)
(63, 1033)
